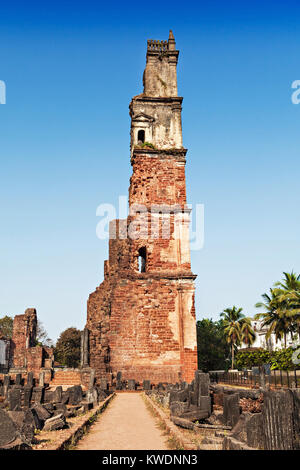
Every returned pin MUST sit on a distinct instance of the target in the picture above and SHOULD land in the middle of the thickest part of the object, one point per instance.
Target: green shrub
(251, 358)
(148, 144)
(280, 359)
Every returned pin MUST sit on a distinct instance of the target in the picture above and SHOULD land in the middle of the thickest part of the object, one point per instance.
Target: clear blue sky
(71, 69)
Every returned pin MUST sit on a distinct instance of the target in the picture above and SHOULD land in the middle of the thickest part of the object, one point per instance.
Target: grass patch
(172, 442)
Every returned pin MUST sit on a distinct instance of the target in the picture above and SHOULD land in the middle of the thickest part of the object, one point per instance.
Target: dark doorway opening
(141, 136)
(142, 260)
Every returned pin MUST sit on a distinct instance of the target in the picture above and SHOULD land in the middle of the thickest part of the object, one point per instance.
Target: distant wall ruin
(22, 353)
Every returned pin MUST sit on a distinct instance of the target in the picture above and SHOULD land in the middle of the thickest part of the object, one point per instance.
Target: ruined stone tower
(141, 319)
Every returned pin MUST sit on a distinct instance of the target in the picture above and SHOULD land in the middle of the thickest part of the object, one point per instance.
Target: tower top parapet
(156, 113)
(157, 46)
(154, 45)
(160, 77)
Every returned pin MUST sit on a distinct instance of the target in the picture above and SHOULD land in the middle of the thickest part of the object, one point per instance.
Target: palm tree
(290, 282)
(247, 333)
(288, 293)
(275, 315)
(294, 312)
(232, 321)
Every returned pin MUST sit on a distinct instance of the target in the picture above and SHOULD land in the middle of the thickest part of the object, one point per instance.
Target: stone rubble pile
(275, 427)
(251, 419)
(188, 401)
(242, 418)
(27, 407)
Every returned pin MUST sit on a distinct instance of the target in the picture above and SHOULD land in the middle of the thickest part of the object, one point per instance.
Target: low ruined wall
(34, 359)
(71, 377)
(52, 377)
(66, 377)
(167, 373)
(24, 374)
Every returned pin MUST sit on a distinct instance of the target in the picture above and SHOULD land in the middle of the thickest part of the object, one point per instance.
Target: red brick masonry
(143, 323)
(25, 355)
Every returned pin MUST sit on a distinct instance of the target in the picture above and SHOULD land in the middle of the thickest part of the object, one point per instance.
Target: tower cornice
(177, 154)
(180, 275)
(158, 99)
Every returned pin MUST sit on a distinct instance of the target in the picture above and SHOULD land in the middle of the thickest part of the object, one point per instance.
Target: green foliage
(280, 313)
(279, 360)
(282, 359)
(148, 145)
(282, 308)
(251, 358)
(6, 326)
(248, 335)
(237, 329)
(67, 349)
(213, 349)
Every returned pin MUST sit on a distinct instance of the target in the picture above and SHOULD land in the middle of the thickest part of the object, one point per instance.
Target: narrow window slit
(141, 136)
(142, 260)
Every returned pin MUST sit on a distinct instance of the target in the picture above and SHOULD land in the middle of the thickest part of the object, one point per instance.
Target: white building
(4, 354)
(261, 342)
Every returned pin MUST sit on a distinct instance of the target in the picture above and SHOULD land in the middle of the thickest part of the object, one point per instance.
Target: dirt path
(125, 425)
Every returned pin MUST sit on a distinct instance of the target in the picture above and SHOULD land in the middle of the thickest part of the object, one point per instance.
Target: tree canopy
(281, 308)
(67, 349)
(213, 350)
(237, 329)
(6, 326)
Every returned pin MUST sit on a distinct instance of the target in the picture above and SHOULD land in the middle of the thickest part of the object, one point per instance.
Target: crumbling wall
(24, 352)
(144, 326)
(24, 335)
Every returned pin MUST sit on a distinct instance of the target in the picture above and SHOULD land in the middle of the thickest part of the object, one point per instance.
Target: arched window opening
(142, 260)
(141, 136)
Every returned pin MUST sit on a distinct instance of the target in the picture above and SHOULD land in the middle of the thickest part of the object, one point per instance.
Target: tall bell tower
(141, 319)
(156, 113)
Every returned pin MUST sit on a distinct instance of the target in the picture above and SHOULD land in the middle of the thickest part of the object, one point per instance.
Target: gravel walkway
(125, 425)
